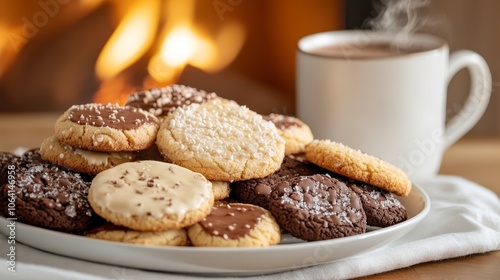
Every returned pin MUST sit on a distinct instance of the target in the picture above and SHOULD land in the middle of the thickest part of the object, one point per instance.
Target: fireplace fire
(176, 43)
(56, 53)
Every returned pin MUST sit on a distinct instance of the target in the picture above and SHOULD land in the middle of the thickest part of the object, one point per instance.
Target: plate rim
(411, 223)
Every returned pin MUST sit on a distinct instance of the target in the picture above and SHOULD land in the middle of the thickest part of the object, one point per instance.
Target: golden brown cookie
(85, 161)
(236, 225)
(110, 232)
(107, 128)
(151, 196)
(221, 140)
(295, 132)
(359, 166)
(221, 189)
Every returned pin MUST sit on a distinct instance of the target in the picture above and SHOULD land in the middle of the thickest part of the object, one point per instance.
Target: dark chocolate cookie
(162, 101)
(257, 191)
(317, 207)
(5, 160)
(382, 208)
(45, 195)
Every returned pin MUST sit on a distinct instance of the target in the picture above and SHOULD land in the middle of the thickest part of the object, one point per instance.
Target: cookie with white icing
(80, 160)
(151, 196)
(236, 225)
(221, 140)
(107, 128)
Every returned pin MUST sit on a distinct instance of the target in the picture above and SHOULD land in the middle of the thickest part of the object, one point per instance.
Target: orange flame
(132, 38)
(7, 52)
(181, 43)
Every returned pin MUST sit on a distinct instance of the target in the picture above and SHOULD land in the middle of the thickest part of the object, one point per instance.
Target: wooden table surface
(477, 159)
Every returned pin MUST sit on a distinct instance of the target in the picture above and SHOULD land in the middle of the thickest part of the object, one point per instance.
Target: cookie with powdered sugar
(46, 195)
(221, 140)
(381, 207)
(317, 207)
(162, 101)
(258, 191)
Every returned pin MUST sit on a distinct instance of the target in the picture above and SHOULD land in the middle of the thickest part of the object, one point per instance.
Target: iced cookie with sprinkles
(295, 132)
(358, 166)
(317, 207)
(151, 196)
(221, 140)
(162, 101)
(81, 160)
(235, 225)
(107, 128)
(47, 196)
(111, 232)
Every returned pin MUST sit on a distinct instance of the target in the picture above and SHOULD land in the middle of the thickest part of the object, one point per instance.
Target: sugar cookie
(82, 160)
(110, 232)
(358, 166)
(221, 140)
(221, 189)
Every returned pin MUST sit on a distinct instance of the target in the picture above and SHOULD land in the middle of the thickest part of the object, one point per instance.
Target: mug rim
(338, 36)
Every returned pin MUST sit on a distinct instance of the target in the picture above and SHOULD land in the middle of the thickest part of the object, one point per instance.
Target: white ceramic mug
(391, 106)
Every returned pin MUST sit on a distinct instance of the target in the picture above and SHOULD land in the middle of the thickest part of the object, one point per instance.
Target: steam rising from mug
(401, 16)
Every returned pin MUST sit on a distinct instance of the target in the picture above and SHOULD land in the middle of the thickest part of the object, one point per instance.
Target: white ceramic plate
(290, 254)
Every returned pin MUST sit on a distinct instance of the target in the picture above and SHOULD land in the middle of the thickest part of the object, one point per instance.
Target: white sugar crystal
(70, 211)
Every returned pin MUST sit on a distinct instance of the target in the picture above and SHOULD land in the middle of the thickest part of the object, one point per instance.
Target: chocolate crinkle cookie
(381, 207)
(257, 191)
(5, 160)
(46, 195)
(317, 207)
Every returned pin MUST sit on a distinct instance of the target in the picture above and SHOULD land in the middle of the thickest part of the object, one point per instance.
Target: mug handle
(479, 95)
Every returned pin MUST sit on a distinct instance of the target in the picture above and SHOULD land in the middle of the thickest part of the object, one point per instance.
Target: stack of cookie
(166, 162)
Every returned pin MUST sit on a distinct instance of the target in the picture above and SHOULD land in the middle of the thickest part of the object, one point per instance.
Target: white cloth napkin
(464, 219)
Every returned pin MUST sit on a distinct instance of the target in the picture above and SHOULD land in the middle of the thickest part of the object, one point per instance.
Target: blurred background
(56, 53)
